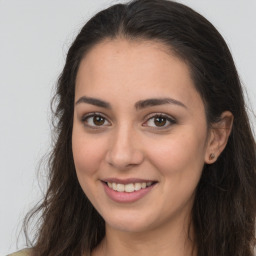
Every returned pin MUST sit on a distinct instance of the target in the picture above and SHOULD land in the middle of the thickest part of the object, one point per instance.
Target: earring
(212, 156)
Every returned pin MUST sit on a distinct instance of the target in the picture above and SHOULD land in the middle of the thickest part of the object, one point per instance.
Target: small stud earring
(212, 156)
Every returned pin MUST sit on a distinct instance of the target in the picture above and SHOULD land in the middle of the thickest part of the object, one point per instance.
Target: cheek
(87, 152)
(179, 153)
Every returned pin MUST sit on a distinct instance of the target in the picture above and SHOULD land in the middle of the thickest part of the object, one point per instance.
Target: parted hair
(223, 214)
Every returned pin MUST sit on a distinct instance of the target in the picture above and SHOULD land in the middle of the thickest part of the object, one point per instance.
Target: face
(139, 135)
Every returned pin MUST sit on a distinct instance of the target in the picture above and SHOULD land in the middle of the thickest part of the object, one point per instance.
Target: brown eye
(95, 120)
(160, 121)
(98, 120)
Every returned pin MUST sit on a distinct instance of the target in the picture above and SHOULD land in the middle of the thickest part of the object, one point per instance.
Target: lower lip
(126, 197)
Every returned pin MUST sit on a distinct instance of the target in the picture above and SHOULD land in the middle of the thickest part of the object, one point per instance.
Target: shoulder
(25, 252)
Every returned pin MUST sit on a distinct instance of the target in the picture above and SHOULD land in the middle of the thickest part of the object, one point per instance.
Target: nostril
(124, 158)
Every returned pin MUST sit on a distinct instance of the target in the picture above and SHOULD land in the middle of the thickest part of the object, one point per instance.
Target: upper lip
(126, 181)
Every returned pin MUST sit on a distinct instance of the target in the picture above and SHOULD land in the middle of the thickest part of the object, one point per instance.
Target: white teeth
(114, 186)
(131, 187)
(120, 187)
(137, 186)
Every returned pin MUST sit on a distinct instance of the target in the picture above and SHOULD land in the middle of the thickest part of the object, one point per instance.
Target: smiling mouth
(127, 190)
(130, 187)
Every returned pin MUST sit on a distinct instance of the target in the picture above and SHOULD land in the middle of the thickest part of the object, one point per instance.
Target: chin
(128, 226)
(130, 222)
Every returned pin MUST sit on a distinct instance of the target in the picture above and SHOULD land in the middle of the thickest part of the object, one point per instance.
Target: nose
(124, 150)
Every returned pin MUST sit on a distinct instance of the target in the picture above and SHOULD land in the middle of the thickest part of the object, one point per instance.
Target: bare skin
(138, 116)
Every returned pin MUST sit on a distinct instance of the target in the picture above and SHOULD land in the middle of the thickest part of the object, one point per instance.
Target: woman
(154, 152)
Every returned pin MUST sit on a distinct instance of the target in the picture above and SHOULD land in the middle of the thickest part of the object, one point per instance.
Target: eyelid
(169, 118)
(93, 114)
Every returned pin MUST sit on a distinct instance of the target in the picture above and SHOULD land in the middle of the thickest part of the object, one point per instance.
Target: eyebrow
(157, 101)
(94, 101)
(139, 105)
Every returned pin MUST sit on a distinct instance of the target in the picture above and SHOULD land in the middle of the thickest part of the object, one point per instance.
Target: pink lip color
(126, 181)
(126, 197)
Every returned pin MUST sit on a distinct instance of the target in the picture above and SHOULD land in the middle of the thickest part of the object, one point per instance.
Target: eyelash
(94, 115)
(169, 120)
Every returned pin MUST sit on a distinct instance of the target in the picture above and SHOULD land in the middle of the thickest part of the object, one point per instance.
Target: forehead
(139, 68)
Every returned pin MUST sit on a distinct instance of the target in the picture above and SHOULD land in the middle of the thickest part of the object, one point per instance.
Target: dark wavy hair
(224, 209)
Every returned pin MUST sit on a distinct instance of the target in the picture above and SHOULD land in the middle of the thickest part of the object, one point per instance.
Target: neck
(168, 240)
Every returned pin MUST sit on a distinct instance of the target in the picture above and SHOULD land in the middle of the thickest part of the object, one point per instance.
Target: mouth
(129, 187)
(127, 190)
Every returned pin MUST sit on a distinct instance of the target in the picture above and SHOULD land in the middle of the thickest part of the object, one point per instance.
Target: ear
(218, 137)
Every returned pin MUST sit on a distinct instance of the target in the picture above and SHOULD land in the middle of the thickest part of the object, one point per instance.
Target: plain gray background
(34, 39)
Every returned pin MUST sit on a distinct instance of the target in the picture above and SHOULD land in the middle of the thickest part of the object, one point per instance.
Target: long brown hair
(225, 203)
